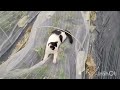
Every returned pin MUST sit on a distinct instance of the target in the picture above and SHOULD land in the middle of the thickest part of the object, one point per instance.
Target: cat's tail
(69, 36)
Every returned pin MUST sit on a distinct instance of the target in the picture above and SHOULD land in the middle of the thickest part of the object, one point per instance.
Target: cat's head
(52, 45)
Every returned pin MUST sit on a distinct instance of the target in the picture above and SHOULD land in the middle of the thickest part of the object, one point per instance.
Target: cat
(56, 38)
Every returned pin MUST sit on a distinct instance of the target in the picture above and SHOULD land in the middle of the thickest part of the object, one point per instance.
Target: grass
(61, 74)
(56, 21)
(9, 18)
(49, 32)
(61, 54)
(40, 51)
(69, 26)
(63, 45)
(38, 73)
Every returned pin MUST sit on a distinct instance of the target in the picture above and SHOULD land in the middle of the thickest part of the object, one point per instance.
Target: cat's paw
(54, 61)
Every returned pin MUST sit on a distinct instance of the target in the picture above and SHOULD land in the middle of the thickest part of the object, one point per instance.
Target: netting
(107, 45)
(10, 30)
(71, 59)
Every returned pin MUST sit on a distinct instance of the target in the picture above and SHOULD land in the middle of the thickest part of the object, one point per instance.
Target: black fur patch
(69, 36)
(61, 38)
(56, 32)
(53, 45)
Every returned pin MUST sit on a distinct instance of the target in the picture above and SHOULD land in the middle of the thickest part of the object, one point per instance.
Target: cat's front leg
(55, 57)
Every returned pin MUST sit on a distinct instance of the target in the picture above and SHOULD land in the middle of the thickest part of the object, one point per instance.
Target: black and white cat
(57, 37)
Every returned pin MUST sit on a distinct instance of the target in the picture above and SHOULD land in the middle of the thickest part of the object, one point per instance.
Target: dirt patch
(90, 66)
(21, 44)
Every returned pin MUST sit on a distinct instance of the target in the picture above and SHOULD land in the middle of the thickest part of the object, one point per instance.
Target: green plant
(61, 55)
(63, 46)
(40, 73)
(40, 51)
